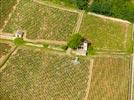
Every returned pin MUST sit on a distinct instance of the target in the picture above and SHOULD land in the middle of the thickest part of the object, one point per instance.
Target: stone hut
(19, 34)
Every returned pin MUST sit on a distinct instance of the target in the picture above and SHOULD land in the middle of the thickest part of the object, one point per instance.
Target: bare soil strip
(7, 36)
(109, 18)
(132, 78)
(54, 6)
(126, 36)
(89, 79)
(2, 65)
(47, 41)
(132, 72)
(79, 21)
(14, 8)
(90, 2)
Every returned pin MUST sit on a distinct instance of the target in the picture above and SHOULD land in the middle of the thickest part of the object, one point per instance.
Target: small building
(19, 34)
(82, 49)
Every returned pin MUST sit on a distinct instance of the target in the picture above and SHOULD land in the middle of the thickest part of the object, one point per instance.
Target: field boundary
(109, 18)
(6, 59)
(89, 79)
(126, 37)
(79, 22)
(10, 15)
(54, 6)
(132, 69)
(47, 41)
(132, 78)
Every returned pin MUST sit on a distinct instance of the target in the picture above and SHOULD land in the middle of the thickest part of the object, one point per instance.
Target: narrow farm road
(7, 36)
(55, 6)
(46, 41)
(79, 21)
(132, 80)
(89, 78)
(109, 18)
(90, 2)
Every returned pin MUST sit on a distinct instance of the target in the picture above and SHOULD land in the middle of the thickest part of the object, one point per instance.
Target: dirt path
(79, 21)
(132, 77)
(126, 36)
(7, 36)
(55, 6)
(109, 18)
(47, 41)
(89, 78)
(91, 1)
(13, 10)
(12, 37)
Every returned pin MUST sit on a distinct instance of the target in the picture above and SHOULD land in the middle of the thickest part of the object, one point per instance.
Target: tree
(75, 41)
(19, 41)
(82, 4)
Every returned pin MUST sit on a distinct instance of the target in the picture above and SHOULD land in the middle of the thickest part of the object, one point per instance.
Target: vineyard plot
(5, 49)
(6, 7)
(106, 34)
(34, 74)
(110, 79)
(42, 22)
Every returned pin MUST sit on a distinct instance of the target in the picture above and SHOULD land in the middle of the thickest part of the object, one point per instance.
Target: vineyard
(42, 22)
(6, 7)
(37, 74)
(110, 79)
(106, 34)
(4, 49)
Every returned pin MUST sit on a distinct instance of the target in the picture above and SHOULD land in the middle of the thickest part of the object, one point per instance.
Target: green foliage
(91, 51)
(82, 4)
(75, 41)
(45, 45)
(19, 41)
(123, 9)
(130, 49)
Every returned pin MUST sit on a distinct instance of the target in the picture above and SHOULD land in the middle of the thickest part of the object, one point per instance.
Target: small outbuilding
(82, 49)
(19, 34)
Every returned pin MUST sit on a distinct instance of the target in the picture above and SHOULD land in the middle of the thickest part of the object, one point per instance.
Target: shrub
(82, 4)
(75, 41)
(45, 45)
(123, 9)
(19, 41)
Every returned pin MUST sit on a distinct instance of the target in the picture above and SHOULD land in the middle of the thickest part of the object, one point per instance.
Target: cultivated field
(6, 7)
(4, 49)
(37, 74)
(106, 34)
(42, 22)
(110, 79)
